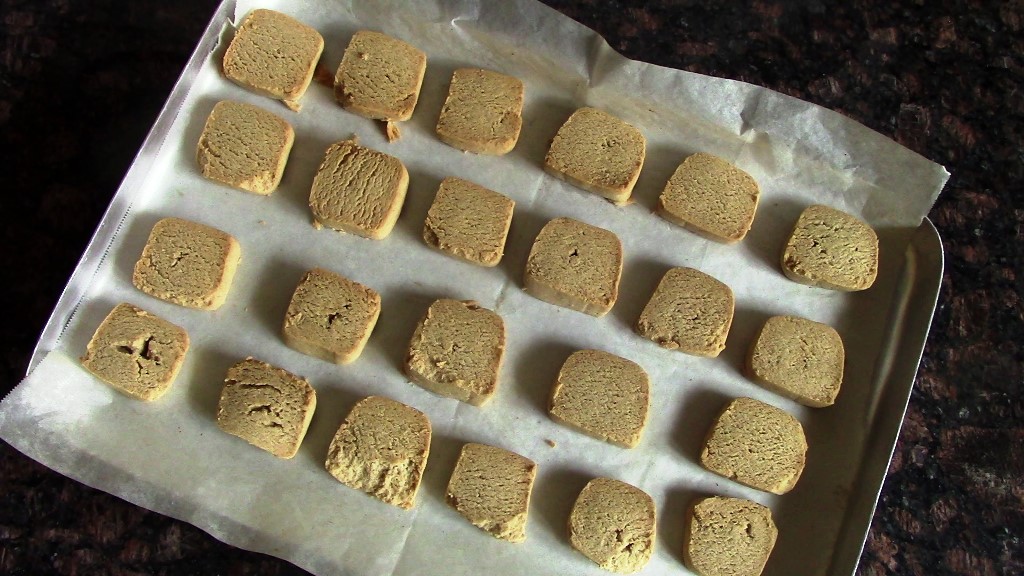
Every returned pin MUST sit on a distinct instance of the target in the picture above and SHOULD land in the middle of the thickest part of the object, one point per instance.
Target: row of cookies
(380, 78)
(382, 447)
(570, 264)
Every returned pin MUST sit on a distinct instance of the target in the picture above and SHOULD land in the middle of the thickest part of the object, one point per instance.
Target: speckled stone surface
(81, 82)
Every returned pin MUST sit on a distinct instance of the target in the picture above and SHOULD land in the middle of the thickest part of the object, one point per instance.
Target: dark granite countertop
(81, 83)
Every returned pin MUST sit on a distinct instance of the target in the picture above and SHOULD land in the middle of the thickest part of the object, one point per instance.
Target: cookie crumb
(550, 442)
(391, 131)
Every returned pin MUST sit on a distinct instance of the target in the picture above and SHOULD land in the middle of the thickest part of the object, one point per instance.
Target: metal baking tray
(910, 303)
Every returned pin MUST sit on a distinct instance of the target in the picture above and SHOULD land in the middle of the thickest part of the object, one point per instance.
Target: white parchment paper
(169, 455)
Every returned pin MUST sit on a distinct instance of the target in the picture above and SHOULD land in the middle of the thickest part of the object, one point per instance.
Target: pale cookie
(457, 350)
(358, 190)
(798, 358)
(245, 147)
(483, 112)
(831, 249)
(757, 445)
(711, 197)
(187, 263)
(330, 317)
(381, 448)
(690, 312)
(575, 265)
(135, 352)
(469, 222)
(491, 488)
(597, 152)
(274, 55)
(728, 537)
(613, 524)
(602, 395)
(380, 77)
(267, 407)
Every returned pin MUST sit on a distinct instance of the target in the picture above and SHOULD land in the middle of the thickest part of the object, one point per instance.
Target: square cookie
(358, 190)
(491, 488)
(613, 524)
(469, 222)
(798, 358)
(381, 448)
(266, 406)
(274, 55)
(690, 312)
(728, 537)
(757, 445)
(483, 112)
(597, 152)
(457, 350)
(380, 77)
(602, 395)
(330, 317)
(711, 197)
(187, 263)
(135, 352)
(831, 249)
(575, 265)
(245, 147)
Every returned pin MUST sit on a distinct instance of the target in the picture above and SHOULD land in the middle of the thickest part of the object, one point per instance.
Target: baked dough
(491, 488)
(187, 263)
(602, 395)
(711, 197)
(798, 358)
(266, 406)
(245, 147)
(275, 55)
(728, 537)
(380, 77)
(597, 152)
(613, 524)
(135, 352)
(757, 445)
(330, 317)
(457, 350)
(575, 265)
(469, 222)
(483, 112)
(381, 448)
(358, 190)
(690, 312)
(831, 249)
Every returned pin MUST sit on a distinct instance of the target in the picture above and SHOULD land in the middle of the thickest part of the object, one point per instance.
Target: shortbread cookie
(756, 444)
(275, 55)
(266, 406)
(575, 265)
(358, 190)
(728, 537)
(831, 249)
(690, 312)
(381, 448)
(491, 488)
(330, 316)
(135, 352)
(483, 112)
(602, 395)
(245, 147)
(187, 263)
(469, 222)
(613, 524)
(380, 77)
(711, 197)
(457, 350)
(799, 359)
(599, 153)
